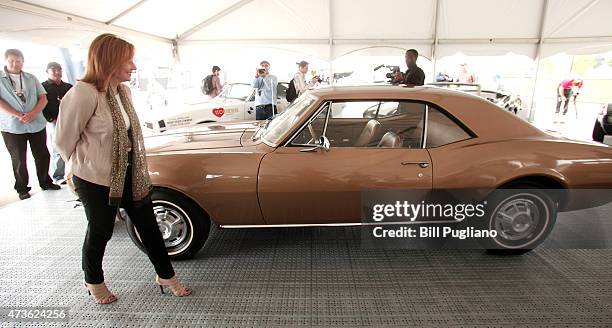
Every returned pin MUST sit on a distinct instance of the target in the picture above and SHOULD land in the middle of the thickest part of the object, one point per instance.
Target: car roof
(380, 90)
(480, 115)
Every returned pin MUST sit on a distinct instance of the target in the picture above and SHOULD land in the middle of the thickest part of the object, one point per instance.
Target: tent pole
(435, 42)
(531, 113)
(331, 44)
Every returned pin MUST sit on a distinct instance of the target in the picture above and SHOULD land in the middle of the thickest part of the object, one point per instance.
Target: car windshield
(237, 91)
(287, 119)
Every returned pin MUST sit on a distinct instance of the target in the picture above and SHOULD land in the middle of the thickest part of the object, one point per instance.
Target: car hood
(205, 136)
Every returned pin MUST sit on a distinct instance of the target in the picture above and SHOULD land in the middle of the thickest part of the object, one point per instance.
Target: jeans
(567, 94)
(101, 221)
(17, 146)
(264, 112)
(57, 163)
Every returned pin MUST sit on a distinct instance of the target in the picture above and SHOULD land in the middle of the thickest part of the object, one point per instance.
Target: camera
(391, 76)
(394, 70)
(261, 71)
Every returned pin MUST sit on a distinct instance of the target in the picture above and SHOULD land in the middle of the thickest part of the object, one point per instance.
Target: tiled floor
(297, 277)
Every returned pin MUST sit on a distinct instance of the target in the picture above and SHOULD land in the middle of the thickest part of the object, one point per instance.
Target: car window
(353, 109)
(400, 126)
(311, 133)
(287, 119)
(441, 130)
(237, 91)
(281, 90)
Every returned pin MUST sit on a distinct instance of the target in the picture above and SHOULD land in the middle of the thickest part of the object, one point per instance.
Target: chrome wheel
(521, 220)
(175, 226)
(517, 219)
(172, 225)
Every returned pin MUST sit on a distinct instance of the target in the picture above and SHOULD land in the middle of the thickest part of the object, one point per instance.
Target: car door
(318, 187)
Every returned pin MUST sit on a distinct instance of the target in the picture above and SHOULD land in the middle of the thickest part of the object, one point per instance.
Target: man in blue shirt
(22, 100)
(265, 86)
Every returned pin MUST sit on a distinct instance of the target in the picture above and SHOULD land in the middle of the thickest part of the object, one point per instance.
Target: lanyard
(20, 94)
(11, 79)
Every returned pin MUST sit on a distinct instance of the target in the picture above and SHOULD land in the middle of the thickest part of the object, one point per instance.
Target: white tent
(325, 29)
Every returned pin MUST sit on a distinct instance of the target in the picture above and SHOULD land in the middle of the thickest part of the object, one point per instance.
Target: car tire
(184, 225)
(534, 211)
(598, 132)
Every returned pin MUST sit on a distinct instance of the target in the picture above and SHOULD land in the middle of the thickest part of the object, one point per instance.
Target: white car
(235, 103)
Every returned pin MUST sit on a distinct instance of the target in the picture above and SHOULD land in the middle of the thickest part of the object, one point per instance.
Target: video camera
(394, 70)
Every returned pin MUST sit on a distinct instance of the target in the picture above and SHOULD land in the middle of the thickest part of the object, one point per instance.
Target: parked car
(235, 103)
(603, 124)
(310, 164)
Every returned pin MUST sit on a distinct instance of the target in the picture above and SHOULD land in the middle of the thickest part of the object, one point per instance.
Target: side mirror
(322, 143)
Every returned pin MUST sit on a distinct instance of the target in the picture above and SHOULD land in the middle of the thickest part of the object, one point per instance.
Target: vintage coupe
(310, 164)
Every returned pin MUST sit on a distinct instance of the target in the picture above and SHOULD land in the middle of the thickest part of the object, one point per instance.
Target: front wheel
(183, 224)
(522, 218)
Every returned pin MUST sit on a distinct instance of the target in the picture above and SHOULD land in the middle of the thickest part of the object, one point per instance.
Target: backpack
(207, 85)
(291, 92)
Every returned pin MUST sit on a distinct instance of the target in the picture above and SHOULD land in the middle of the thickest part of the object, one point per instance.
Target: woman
(98, 130)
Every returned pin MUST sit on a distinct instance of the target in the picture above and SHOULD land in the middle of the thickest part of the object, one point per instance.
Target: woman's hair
(106, 54)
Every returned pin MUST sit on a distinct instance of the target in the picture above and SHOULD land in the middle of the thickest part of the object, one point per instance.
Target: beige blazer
(84, 133)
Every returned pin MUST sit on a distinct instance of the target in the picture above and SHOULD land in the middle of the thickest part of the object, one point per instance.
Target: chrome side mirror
(322, 143)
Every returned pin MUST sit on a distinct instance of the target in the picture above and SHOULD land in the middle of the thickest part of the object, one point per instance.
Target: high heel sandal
(175, 286)
(100, 293)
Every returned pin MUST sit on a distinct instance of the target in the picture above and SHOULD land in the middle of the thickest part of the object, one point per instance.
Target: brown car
(311, 163)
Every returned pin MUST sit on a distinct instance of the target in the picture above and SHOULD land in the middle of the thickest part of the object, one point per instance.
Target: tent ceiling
(330, 28)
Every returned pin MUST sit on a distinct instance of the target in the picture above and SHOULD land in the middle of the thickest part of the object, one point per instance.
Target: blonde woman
(99, 133)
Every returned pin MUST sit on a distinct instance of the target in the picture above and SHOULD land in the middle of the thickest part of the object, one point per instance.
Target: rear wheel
(522, 217)
(183, 224)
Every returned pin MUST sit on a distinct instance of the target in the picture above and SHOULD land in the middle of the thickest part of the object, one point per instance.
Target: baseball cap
(302, 63)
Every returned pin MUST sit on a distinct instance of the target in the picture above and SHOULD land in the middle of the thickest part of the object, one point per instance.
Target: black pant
(17, 146)
(101, 220)
(567, 94)
(264, 112)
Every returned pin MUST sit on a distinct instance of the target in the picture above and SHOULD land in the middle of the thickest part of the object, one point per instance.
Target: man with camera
(414, 75)
(265, 91)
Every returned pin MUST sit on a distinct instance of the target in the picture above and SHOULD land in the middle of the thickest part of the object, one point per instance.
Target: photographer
(300, 78)
(265, 95)
(414, 75)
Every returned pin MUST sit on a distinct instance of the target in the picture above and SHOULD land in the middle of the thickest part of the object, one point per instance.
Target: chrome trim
(415, 163)
(425, 124)
(252, 226)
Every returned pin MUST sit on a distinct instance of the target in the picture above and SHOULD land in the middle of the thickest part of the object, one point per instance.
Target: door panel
(325, 187)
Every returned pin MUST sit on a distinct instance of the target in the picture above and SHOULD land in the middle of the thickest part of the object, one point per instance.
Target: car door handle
(421, 164)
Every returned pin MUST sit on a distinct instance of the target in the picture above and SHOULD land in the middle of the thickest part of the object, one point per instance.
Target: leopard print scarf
(141, 183)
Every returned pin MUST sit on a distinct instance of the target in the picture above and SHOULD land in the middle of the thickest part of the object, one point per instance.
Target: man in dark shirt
(56, 89)
(414, 75)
